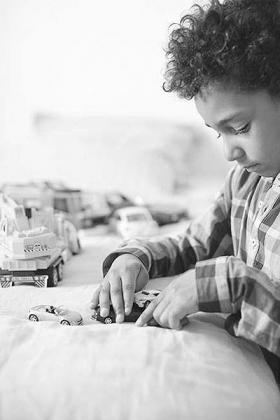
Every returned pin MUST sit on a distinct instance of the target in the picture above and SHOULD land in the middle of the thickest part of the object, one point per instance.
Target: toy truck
(30, 251)
(63, 199)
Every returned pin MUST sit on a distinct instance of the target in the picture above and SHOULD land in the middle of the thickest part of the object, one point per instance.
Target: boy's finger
(128, 290)
(117, 300)
(104, 300)
(95, 297)
(147, 315)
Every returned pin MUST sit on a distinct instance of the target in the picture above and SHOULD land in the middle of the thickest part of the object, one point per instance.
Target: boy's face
(248, 124)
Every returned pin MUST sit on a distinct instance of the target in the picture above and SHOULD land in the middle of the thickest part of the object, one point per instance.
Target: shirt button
(260, 204)
(254, 243)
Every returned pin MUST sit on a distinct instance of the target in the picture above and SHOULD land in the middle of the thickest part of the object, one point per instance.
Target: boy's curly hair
(236, 43)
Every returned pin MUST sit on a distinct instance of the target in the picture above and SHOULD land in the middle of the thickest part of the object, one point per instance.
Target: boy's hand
(126, 276)
(172, 305)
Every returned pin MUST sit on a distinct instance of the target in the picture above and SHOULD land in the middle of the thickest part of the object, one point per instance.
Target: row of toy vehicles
(34, 244)
(85, 209)
(82, 208)
(41, 195)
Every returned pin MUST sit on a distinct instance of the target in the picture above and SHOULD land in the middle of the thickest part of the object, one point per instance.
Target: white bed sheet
(122, 372)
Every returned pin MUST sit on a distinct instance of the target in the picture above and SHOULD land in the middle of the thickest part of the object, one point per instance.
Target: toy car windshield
(51, 310)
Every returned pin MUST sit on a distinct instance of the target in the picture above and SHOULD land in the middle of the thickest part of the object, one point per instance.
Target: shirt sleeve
(206, 237)
(227, 284)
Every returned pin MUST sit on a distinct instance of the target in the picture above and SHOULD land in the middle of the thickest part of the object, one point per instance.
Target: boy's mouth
(250, 166)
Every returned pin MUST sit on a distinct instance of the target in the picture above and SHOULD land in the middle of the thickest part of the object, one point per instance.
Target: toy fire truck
(30, 250)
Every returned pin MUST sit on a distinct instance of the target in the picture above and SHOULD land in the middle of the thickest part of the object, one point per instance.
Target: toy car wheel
(108, 320)
(52, 277)
(33, 317)
(60, 271)
(65, 322)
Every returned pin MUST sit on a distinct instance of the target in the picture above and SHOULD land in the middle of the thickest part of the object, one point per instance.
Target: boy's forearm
(260, 305)
(169, 256)
(163, 257)
(212, 286)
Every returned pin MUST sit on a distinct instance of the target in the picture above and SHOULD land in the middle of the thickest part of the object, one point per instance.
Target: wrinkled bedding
(122, 372)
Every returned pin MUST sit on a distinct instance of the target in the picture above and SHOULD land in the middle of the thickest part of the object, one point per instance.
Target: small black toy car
(141, 300)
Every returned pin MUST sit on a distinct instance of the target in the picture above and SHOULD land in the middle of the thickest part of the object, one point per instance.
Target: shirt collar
(276, 181)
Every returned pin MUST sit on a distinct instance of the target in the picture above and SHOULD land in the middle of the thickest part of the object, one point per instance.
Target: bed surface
(120, 372)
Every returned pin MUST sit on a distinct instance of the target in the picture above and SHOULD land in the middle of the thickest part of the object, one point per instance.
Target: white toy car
(51, 313)
(132, 222)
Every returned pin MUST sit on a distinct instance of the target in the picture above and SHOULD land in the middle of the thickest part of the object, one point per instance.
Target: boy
(226, 57)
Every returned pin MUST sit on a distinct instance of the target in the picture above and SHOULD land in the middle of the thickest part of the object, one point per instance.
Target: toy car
(144, 297)
(116, 200)
(51, 313)
(141, 300)
(96, 209)
(130, 222)
(165, 214)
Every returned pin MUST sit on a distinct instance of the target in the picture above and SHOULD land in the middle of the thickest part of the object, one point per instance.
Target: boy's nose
(233, 152)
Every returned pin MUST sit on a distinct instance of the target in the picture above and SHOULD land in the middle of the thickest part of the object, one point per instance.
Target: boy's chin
(265, 172)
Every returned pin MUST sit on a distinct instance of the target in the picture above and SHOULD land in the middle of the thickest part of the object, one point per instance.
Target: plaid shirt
(235, 250)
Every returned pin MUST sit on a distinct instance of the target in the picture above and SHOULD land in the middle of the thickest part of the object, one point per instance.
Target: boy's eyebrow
(227, 119)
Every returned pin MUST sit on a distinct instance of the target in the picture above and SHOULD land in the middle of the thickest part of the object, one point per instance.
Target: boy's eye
(243, 129)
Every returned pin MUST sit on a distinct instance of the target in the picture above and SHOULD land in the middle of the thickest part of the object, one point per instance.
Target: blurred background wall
(73, 72)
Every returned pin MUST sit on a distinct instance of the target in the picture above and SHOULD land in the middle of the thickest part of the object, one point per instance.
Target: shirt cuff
(212, 286)
(137, 252)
